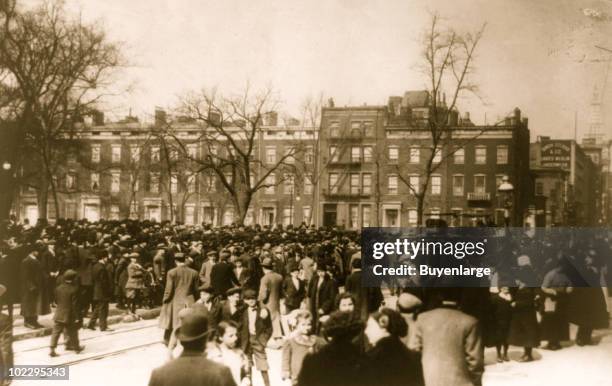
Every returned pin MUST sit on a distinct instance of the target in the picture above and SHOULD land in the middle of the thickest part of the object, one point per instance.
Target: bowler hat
(194, 325)
(179, 256)
(267, 263)
(249, 294)
(70, 275)
(232, 291)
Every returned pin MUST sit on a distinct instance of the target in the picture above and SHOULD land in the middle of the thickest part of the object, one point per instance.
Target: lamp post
(505, 190)
(6, 189)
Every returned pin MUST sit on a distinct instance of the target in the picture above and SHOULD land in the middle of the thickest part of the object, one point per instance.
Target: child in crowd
(503, 315)
(299, 343)
(226, 352)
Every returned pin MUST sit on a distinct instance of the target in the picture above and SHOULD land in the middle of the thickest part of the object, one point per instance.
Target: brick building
(129, 169)
(582, 195)
(369, 153)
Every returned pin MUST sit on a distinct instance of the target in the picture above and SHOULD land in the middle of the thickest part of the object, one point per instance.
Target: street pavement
(127, 356)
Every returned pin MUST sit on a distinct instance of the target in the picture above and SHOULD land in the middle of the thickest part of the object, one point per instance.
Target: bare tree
(231, 131)
(58, 67)
(448, 62)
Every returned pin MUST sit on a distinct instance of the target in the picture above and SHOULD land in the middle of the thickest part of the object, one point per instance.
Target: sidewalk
(115, 315)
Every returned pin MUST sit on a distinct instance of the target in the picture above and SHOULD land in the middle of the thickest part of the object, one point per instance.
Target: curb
(115, 319)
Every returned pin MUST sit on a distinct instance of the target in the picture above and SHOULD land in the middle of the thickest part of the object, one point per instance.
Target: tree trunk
(420, 208)
(242, 201)
(42, 194)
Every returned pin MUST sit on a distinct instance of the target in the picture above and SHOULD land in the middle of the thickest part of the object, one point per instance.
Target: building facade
(371, 155)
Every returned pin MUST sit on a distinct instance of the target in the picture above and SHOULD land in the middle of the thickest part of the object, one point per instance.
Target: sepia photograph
(311, 193)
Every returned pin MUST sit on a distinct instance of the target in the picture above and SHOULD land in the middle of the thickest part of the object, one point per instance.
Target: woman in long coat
(524, 324)
(555, 289)
(587, 304)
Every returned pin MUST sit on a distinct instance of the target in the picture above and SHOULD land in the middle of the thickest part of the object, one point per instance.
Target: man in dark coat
(255, 331)
(9, 274)
(367, 299)
(222, 276)
(33, 291)
(121, 277)
(67, 314)
(84, 270)
(181, 291)
(6, 342)
(192, 368)
(50, 264)
(322, 292)
(294, 289)
(102, 292)
(270, 292)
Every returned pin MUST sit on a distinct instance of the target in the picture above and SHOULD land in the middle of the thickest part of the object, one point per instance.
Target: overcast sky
(535, 55)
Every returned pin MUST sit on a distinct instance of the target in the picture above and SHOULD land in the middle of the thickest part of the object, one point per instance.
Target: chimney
(160, 117)
(517, 114)
(330, 103)
(98, 118)
(270, 118)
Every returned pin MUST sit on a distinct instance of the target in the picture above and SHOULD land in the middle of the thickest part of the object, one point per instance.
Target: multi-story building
(582, 195)
(551, 186)
(130, 169)
(598, 149)
(373, 154)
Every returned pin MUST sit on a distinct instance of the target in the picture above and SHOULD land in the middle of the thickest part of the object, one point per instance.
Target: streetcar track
(106, 354)
(117, 332)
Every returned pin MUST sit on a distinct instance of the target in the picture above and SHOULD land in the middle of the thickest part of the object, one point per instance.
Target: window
(115, 182)
(365, 216)
(191, 184)
(306, 212)
(412, 217)
(458, 185)
(366, 183)
(355, 182)
(270, 184)
(270, 154)
(210, 183)
(154, 153)
(134, 153)
(287, 215)
(95, 181)
(499, 178)
(173, 154)
(95, 153)
(356, 129)
(134, 183)
(229, 178)
(414, 183)
(192, 151)
(70, 181)
(212, 151)
(459, 156)
(392, 184)
(173, 183)
(502, 155)
(480, 155)
(539, 187)
(333, 182)
(456, 219)
(393, 154)
(154, 185)
(434, 213)
(289, 183)
(355, 154)
(334, 154)
(479, 184)
(309, 155)
(114, 212)
(354, 216)
(289, 155)
(367, 154)
(368, 128)
(415, 155)
(436, 185)
(334, 129)
(437, 156)
(116, 153)
(308, 184)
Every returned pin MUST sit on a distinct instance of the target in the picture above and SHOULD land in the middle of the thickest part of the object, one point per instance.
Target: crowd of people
(229, 294)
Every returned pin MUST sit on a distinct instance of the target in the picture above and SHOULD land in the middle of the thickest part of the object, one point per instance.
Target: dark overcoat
(181, 291)
(191, 369)
(34, 294)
